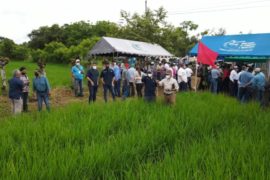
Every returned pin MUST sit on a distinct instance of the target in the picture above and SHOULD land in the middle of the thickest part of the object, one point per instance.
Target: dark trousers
(183, 86)
(78, 87)
(233, 88)
(92, 93)
(150, 98)
(25, 101)
(107, 87)
(117, 87)
(139, 87)
(132, 89)
(125, 89)
(189, 83)
(244, 94)
(214, 85)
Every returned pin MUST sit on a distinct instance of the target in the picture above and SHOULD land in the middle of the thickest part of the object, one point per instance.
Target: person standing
(215, 74)
(244, 85)
(25, 93)
(234, 81)
(149, 87)
(125, 87)
(182, 78)
(41, 87)
(258, 83)
(189, 73)
(170, 87)
(92, 78)
(3, 62)
(107, 78)
(138, 81)
(131, 79)
(78, 74)
(15, 92)
(117, 81)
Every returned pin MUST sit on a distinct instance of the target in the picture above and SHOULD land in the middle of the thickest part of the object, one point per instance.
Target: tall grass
(202, 137)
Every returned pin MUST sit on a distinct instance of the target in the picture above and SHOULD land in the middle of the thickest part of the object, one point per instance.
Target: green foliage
(13, 51)
(202, 137)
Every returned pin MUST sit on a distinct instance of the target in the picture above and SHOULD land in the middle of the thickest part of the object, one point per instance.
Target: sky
(19, 17)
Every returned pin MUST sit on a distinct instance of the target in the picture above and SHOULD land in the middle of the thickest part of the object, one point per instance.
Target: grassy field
(202, 137)
(58, 74)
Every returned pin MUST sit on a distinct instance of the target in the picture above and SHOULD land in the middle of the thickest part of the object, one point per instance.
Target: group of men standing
(19, 87)
(133, 78)
(243, 83)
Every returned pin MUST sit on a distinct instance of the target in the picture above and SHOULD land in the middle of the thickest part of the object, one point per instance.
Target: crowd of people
(124, 79)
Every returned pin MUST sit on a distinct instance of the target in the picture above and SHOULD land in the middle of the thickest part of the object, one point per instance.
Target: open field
(202, 137)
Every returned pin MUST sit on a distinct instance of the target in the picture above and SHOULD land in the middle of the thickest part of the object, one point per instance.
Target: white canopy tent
(108, 46)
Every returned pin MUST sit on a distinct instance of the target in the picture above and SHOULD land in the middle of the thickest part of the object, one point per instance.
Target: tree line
(59, 44)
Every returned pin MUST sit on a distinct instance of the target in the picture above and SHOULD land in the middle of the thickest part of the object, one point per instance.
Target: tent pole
(196, 74)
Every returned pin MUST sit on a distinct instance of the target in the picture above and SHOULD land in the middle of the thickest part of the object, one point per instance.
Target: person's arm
(231, 76)
(161, 83)
(101, 77)
(48, 86)
(176, 86)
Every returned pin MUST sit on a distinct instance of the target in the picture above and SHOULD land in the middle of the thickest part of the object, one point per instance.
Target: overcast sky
(19, 17)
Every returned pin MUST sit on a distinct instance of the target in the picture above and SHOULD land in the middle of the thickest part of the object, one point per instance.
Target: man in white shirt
(182, 78)
(189, 73)
(131, 78)
(170, 87)
(234, 81)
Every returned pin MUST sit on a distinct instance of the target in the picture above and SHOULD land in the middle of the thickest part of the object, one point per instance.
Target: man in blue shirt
(149, 87)
(215, 74)
(258, 83)
(244, 85)
(41, 87)
(92, 77)
(117, 79)
(107, 78)
(78, 75)
(15, 92)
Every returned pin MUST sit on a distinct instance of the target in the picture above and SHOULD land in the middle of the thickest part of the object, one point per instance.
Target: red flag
(206, 55)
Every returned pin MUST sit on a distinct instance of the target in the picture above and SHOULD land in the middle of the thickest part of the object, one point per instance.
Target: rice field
(201, 137)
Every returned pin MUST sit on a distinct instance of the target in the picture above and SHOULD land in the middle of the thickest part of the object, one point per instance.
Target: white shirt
(182, 75)
(233, 75)
(168, 85)
(189, 72)
(138, 77)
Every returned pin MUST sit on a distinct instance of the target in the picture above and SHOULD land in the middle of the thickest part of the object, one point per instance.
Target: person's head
(16, 73)
(77, 62)
(107, 64)
(168, 74)
(23, 70)
(257, 70)
(113, 62)
(244, 68)
(149, 74)
(250, 69)
(37, 73)
(94, 65)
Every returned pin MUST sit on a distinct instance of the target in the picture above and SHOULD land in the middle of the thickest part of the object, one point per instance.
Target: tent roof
(109, 46)
(244, 45)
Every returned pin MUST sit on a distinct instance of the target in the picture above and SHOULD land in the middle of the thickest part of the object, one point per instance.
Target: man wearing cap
(41, 87)
(234, 81)
(107, 78)
(258, 83)
(170, 87)
(117, 79)
(149, 87)
(92, 78)
(78, 74)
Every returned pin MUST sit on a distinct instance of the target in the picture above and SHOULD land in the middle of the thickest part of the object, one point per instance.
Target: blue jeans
(107, 87)
(244, 94)
(125, 89)
(78, 87)
(117, 86)
(41, 96)
(92, 93)
(214, 85)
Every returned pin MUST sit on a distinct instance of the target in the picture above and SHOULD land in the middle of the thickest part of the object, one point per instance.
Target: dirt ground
(60, 97)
